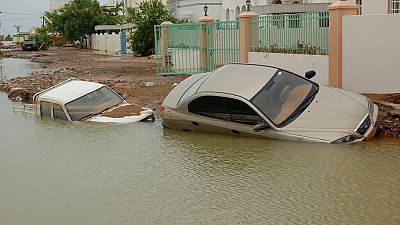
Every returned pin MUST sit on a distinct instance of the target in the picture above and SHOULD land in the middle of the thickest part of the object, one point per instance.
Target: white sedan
(264, 101)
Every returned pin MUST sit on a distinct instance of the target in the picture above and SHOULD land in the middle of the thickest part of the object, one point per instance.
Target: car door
(208, 114)
(45, 109)
(59, 113)
(243, 118)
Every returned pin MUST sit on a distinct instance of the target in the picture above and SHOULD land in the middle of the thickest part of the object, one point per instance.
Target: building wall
(107, 43)
(374, 7)
(371, 53)
(298, 64)
(57, 4)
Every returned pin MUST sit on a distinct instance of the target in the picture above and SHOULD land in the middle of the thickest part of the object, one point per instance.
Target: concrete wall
(298, 64)
(371, 55)
(374, 7)
(57, 4)
(108, 43)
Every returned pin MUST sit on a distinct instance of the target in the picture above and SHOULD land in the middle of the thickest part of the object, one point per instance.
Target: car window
(92, 103)
(240, 112)
(227, 109)
(45, 109)
(58, 112)
(284, 97)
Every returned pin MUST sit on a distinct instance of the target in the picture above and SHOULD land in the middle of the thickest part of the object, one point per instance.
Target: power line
(12, 19)
(16, 13)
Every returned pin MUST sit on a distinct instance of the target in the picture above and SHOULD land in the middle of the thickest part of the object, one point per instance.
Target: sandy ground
(135, 76)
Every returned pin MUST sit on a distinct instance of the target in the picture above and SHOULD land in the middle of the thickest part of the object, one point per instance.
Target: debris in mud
(388, 119)
(128, 74)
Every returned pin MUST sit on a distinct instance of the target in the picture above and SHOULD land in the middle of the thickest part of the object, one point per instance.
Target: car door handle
(195, 123)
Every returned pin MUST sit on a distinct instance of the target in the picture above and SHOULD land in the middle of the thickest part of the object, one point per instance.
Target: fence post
(244, 36)
(204, 21)
(164, 43)
(336, 11)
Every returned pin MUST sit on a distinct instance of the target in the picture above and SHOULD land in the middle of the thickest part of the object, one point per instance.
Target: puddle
(13, 67)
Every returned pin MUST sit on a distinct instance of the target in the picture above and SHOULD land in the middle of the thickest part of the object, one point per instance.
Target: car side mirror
(310, 74)
(260, 126)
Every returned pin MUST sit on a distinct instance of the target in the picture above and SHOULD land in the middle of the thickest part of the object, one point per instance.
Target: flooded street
(55, 172)
(14, 67)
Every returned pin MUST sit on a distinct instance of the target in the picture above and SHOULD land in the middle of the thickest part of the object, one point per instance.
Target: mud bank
(132, 75)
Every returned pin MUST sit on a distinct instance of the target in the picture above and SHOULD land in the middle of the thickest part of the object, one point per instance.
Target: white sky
(23, 12)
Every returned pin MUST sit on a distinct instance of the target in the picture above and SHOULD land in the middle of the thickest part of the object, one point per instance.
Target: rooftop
(69, 91)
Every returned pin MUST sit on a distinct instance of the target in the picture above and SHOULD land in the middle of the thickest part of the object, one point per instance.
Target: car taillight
(162, 109)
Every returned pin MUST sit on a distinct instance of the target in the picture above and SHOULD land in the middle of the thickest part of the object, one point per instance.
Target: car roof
(244, 80)
(69, 91)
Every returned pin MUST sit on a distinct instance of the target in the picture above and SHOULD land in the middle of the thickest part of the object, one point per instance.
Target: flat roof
(244, 80)
(69, 91)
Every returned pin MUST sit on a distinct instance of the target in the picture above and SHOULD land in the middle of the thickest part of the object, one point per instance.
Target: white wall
(298, 64)
(371, 57)
(108, 43)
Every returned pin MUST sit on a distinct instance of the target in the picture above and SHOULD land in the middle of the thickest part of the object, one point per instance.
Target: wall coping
(343, 5)
(248, 14)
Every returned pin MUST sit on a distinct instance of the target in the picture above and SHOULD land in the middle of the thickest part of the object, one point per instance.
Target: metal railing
(290, 8)
(302, 33)
(193, 48)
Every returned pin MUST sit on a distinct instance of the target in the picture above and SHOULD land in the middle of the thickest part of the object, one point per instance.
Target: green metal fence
(302, 33)
(223, 44)
(182, 53)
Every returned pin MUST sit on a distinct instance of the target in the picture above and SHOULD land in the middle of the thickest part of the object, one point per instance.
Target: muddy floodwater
(54, 172)
(14, 67)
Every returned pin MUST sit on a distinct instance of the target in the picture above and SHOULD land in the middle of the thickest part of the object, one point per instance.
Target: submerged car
(77, 100)
(264, 101)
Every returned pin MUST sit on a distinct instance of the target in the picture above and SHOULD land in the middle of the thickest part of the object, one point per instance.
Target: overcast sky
(22, 12)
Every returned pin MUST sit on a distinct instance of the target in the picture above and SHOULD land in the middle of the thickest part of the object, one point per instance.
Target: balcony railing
(290, 8)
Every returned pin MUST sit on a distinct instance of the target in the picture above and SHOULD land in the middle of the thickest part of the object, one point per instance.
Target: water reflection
(14, 67)
(88, 173)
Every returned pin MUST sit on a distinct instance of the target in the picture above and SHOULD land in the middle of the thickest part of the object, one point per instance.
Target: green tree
(145, 16)
(42, 35)
(77, 19)
(8, 38)
(111, 15)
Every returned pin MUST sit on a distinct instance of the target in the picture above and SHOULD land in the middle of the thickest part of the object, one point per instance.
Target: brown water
(54, 172)
(14, 67)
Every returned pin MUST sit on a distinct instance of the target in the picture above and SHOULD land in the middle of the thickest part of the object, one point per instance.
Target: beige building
(57, 4)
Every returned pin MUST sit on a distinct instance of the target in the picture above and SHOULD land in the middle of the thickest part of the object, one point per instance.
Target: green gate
(192, 48)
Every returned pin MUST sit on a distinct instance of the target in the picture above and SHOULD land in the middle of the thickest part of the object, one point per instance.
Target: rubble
(128, 75)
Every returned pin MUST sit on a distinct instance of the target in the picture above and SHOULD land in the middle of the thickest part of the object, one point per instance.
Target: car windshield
(92, 103)
(284, 97)
(29, 41)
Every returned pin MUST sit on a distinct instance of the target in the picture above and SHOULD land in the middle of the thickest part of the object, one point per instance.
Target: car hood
(124, 113)
(334, 113)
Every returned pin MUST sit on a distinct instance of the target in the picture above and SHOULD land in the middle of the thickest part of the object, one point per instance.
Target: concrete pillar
(336, 11)
(204, 58)
(244, 36)
(164, 43)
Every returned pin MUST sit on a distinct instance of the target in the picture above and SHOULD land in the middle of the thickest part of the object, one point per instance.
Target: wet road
(54, 172)
(14, 67)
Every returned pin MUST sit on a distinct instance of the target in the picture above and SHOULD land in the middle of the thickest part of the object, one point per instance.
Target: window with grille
(394, 6)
